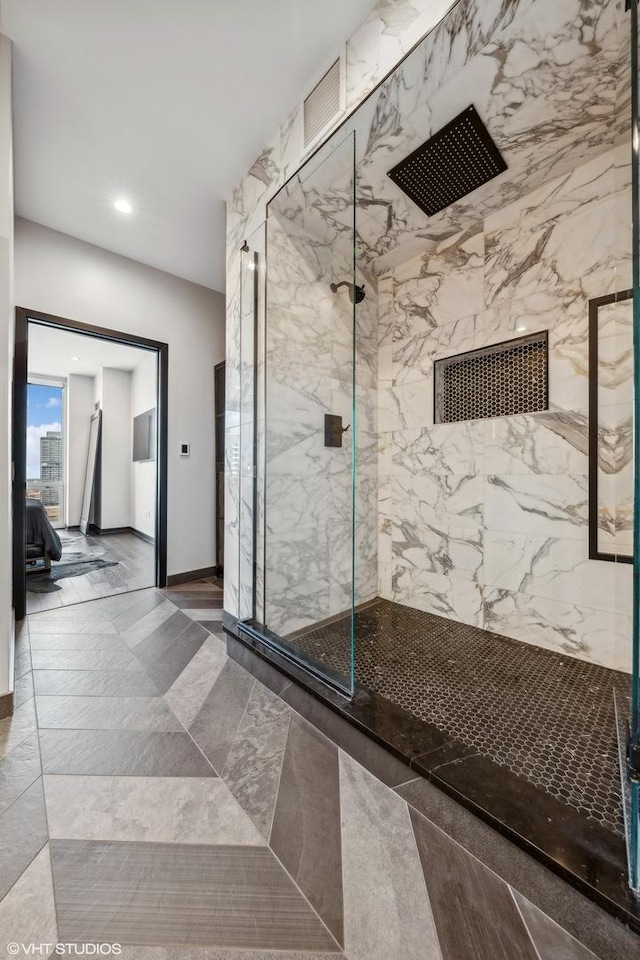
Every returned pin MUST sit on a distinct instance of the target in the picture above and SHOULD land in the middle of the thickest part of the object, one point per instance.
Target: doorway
(68, 376)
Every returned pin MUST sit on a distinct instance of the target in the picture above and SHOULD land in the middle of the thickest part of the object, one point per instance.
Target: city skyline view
(44, 413)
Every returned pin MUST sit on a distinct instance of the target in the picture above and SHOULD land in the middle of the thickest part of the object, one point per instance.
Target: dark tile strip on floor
(216, 724)
(153, 893)
(166, 653)
(306, 826)
(93, 683)
(122, 753)
(485, 920)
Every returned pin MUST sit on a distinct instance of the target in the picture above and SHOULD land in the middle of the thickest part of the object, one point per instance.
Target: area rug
(71, 565)
(66, 537)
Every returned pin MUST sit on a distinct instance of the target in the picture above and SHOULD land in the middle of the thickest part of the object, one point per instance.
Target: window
(46, 446)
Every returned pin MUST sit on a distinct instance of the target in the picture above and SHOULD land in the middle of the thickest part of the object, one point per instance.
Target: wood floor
(135, 559)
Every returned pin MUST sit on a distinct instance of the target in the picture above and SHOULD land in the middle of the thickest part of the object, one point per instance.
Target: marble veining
(390, 31)
(309, 502)
(485, 522)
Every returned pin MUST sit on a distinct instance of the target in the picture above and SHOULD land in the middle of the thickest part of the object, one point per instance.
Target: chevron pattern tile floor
(155, 795)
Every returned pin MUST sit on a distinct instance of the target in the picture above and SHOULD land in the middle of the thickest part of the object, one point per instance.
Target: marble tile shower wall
(531, 76)
(392, 28)
(486, 521)
(519, 57)
(309, 349)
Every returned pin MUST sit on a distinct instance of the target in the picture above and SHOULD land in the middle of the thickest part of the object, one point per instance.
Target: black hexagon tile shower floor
(546, 717)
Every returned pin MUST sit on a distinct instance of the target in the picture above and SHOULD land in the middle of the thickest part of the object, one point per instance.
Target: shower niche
(503, 380)
(422, 458)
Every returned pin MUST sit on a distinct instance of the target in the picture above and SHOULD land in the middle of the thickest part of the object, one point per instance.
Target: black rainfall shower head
(452, 163)
(356, 293)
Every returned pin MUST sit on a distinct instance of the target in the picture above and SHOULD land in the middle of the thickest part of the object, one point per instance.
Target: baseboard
(106, 531)
(143, 536)
(175, 578)
(109, 531)
(6, 705)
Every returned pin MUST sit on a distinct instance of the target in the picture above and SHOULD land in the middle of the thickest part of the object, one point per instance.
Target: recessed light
(122, 205)
(74, 358)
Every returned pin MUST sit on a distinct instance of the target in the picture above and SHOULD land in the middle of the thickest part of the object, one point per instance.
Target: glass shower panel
(252, 284)
(632, 792)
(309, 519)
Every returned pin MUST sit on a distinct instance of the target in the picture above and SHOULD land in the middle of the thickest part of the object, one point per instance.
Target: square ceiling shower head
(452, 163)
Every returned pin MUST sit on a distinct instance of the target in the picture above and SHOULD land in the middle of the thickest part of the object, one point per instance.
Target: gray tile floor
(155, 795)
(134, 569)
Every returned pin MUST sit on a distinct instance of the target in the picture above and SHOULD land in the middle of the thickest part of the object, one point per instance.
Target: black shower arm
(356, 293)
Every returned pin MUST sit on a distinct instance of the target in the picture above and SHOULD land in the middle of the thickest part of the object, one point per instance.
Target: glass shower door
(309, 469)
(633, 808)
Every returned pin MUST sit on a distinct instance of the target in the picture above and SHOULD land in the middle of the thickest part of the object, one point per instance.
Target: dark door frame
(220, 434)
(19, 442)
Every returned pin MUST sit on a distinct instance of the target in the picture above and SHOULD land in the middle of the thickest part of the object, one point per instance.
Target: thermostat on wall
(184, 449)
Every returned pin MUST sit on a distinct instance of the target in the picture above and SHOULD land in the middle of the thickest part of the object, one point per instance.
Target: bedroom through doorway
(90, 464)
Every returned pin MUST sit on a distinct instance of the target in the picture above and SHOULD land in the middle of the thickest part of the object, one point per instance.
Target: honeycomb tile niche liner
(496, 381)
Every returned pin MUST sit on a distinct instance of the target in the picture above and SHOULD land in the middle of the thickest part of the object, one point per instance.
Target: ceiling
(164, 103)
(51, 353)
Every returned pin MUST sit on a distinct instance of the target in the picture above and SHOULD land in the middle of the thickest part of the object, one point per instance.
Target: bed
(43, 543)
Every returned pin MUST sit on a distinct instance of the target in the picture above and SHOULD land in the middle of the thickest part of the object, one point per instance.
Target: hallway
(154, 794)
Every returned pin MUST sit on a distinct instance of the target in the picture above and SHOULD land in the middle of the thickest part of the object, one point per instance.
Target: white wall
(6, 354)
(143, 473)
(94, 507)
(80, 392)
(129, 489)
(59, 275)
(115, 487)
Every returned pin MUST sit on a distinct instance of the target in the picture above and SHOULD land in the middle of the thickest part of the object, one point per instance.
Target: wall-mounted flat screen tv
(144, 436)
